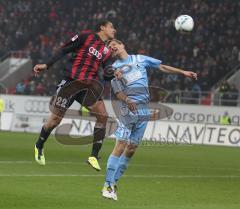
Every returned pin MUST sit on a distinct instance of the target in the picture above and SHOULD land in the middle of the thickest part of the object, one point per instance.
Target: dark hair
(101, 23)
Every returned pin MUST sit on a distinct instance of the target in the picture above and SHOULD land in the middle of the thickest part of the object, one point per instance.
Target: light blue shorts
(131, 126)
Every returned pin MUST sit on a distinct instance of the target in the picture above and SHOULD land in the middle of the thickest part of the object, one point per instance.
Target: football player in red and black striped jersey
(89, 53)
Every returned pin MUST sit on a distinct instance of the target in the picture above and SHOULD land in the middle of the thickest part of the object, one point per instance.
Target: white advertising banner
(80, 127)
(156, 132)
(36, 105)
(33, 105)
(6, 121)
(26, 104)
(191, 124)
(203, 113)
(27, 123)
(193, 133)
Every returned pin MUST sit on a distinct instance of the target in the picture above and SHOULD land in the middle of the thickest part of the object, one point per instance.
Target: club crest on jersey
(105, 50)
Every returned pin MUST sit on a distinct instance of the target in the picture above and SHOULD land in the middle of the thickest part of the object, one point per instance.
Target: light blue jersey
(134, 84)
(135, 81)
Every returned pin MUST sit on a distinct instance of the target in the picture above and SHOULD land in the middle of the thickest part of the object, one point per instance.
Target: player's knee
(56, 121)
(52, 122)
(130, 150)
(119, 148)
(102, 117)
(121, 145)
(100, 112)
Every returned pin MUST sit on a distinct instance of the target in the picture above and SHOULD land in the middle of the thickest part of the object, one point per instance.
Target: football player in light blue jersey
(130, 86)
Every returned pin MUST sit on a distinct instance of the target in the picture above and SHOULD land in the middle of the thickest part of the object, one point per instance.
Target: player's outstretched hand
(190, 74)
(39, 67)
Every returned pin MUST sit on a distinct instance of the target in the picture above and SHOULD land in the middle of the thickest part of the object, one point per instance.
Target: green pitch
(159, 177)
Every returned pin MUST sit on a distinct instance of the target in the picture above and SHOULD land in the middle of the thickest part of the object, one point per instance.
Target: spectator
(196, 93)
(224, 93)
(233, 95)
(40, 89)
(225, 119)
(20, 87)
(38, 27)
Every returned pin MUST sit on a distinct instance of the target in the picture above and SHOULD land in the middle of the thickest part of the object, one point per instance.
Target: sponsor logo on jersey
(95, 52)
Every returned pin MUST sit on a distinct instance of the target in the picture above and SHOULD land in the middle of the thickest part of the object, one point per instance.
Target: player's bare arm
(123, 97)
(174, 70)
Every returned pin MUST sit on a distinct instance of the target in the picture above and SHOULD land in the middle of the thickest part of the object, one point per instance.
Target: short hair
(101, 23)
(114, 39)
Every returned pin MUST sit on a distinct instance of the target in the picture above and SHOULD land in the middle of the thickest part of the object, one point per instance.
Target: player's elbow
(162, 67)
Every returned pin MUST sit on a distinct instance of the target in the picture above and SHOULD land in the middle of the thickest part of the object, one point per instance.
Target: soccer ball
(184, 23)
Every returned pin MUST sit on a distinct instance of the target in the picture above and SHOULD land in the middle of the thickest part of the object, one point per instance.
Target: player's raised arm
(70, 46)
(150, 62)
(174, 70)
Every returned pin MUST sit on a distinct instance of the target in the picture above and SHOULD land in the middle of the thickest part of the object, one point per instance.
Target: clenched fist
(39, 67)
(190, 74)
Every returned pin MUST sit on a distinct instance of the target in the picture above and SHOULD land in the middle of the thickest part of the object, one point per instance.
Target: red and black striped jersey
(89, 53)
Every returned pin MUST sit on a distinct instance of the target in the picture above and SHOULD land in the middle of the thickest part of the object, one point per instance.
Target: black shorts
(85, 92)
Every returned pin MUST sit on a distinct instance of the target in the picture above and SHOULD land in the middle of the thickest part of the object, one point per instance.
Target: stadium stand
(38, 28)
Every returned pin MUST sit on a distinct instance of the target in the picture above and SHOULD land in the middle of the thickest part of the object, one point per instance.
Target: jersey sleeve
(75, 43)
(149, 62)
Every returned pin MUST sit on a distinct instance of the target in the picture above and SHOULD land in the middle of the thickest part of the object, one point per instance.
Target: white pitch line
(50, 175)
(33, 162)
(125, 176)
(133, 165)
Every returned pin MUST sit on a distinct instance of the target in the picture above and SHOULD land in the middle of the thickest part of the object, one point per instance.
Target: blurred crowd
(146, 27)
(228, 94)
